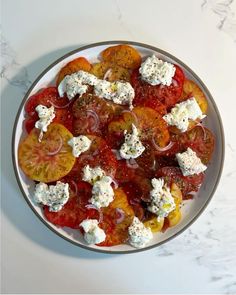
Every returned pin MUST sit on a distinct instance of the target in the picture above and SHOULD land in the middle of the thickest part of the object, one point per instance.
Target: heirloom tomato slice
(117, 217)
(146, 94)
(75, 210)
(110, 71)
(50, 159)
(199, 139)
(74, 66)
(186, 184)
(92, 113)
(122, 55)
(99, 154)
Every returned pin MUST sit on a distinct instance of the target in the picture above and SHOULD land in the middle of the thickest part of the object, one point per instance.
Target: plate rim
(146, 46)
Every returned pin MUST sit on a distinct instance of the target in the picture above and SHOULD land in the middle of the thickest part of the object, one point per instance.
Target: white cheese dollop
(156, 71)
(102, 192)
(190, 163)
(162, 202)
(119, 92)
(93, 234)
(72, 85)
(77, 83)
(139, 235)
(132, 147)
(54, 196)
(182, 112)
(79, 144)
(91, 175)
(46, 116)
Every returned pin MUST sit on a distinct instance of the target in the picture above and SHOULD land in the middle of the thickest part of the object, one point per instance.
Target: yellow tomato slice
(155, 224)
(50, 159)
(112, 71)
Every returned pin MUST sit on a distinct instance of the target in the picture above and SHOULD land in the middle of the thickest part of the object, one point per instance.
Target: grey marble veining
(225, 14)
(11, 70)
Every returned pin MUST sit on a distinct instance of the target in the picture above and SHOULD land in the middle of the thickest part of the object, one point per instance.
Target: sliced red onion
(53, 153)
(115, 183)
(134, 201)
(85, 157)
(122, 215)
(203, 129)
(116, 154)
(133, 114)
(60, 107)
(75, 187)
(107, 74)
(174, 82)
(131, 163)
(166, 148)
(91, 206)
(94, 115)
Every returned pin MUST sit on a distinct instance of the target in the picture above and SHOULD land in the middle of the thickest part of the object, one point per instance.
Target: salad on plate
(115, 147)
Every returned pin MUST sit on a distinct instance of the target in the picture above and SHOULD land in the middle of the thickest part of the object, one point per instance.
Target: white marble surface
(203, 35)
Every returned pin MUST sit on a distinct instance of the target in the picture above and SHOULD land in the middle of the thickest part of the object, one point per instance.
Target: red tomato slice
(92, 113)
(74, 211)
(167, 95)
(29, 124)
(99, 154)
(186, 184)
(199, 139)
(47, 97)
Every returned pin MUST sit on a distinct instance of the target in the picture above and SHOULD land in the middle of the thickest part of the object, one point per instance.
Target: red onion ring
(94, 115)
(133, 114)
(75, 186)
(122, 215)
(107, 74)
(203, 129)
(91, 206)
(60, 107)
(174, 82)
(53, 153)
(116, 154)
(159, 149)
(131, 163)
(115, 182)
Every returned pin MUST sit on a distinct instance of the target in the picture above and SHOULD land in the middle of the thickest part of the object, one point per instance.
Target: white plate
(191, 209)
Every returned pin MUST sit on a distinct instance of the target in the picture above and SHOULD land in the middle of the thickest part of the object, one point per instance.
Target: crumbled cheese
(162, 202)
(139, 235)
(46, 116)
(54, 196)
(77, 83)
(182, 112)
(102, 192)
(72, 85)
(156, 71)
(93, 234)
(79, 144)
(119, 92)
(91, 175)
(190, 163)
(132, 147)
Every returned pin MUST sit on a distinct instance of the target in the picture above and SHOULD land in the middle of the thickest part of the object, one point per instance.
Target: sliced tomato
(116, 228)
(73, 66)
(186, 184)
(200, 139)
(50, 159)
(47, 97)
(99, 154)
(123, 172)
(147, 160)
(167, 95)
(92, 113)
(29, 124)
(75, 210)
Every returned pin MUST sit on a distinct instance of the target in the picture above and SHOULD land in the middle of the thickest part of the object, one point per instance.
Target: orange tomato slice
(122, 55)
(50, 159)
(73, 66)
(115, 226)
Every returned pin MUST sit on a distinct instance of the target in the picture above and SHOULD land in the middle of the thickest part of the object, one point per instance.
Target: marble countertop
(203, 35)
